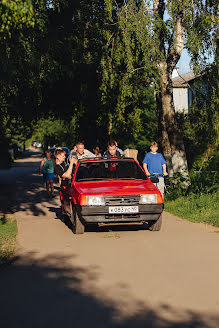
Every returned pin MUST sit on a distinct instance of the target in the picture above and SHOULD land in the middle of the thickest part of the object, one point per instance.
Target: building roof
(181, 81)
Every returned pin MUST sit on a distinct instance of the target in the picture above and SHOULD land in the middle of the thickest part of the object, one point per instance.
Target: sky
(183, 63)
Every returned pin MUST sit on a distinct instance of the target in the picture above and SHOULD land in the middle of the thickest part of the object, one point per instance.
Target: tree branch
(159, 7)
(178, 43)
(138, 68)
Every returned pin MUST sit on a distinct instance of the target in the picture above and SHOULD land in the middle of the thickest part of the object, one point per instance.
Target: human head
(96, 150)
(59, 154)
(48, 154)
(80, 147)
(154, 147)
(112, 147)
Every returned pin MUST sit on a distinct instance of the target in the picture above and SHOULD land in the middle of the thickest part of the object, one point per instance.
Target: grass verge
(8, 232)
(196, 208)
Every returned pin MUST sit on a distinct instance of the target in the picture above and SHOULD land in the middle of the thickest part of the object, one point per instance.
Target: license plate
(123, 209)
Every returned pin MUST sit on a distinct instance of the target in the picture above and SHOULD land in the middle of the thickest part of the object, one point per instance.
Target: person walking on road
(47, 168)
(154, 163)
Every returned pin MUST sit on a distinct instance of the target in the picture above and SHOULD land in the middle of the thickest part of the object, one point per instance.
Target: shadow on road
(51, 292)
(22, 188)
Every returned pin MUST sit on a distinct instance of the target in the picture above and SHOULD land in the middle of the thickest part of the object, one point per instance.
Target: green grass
(8, 232)
(196, 208)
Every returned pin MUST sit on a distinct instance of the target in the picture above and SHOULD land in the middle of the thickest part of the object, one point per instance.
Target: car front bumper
(100, 214)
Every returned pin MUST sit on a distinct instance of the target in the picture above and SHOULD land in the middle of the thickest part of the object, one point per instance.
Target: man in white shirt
(79, 152)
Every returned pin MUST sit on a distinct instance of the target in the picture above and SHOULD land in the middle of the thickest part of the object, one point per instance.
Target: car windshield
(109, 170)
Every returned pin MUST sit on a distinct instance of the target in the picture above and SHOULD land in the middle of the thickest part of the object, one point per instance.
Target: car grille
(122, 200)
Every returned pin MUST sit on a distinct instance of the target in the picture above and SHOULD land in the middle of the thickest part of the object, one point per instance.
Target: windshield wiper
(107, 179)
(127, 179)
(91, 179)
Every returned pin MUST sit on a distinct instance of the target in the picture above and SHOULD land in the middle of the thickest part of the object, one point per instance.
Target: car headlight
(95, 200)
(148, 199)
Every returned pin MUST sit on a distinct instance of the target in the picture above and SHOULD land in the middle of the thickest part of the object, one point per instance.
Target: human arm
(41, 165)
(164, 166)
(145, 166)
(88, 153)
(67, 174)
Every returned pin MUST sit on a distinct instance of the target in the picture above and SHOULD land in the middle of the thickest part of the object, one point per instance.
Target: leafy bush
(198, 182)
(177, 186)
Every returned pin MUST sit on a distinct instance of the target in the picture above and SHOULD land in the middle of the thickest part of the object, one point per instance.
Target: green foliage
(20, 26)
(197, 182)
(87, 69)
(55, 132)
(127, 96)
(201, 126)
(16, 14)
(196, 208)
(177, 186)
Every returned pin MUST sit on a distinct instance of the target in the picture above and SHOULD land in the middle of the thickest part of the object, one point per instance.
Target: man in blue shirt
(154, 163)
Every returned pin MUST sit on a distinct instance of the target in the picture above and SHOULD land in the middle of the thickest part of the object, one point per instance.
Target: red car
(113, 190)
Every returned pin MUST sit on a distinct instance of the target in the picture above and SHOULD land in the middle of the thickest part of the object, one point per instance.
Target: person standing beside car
(62, 168)
(154, 163)
(47, 168)
(64, 172)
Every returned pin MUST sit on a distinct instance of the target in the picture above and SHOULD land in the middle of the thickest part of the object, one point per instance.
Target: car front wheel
(155, 225)
(77, 225)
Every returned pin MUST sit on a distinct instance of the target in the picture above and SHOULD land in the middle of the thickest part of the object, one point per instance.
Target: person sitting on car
(112, 150)
(79, 152)
(117, 147)
(97, 152)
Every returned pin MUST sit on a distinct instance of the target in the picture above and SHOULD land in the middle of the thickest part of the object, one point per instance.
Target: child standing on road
(154, 163)
(47, 168)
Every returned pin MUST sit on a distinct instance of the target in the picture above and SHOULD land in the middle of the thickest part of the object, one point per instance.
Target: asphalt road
(108, 277)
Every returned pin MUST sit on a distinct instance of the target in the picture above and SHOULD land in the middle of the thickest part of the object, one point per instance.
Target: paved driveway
(109, 277)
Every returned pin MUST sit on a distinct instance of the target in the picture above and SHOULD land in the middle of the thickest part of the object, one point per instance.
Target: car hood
(116, 187)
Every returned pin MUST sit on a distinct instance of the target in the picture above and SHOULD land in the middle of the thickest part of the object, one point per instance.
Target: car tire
(156, 225)
(68, 210)
(77, 225)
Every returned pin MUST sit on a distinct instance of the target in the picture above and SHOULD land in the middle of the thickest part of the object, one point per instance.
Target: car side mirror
(154, 179)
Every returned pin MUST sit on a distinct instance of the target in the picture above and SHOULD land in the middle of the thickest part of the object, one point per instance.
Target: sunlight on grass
(196, 208)
(8, 232)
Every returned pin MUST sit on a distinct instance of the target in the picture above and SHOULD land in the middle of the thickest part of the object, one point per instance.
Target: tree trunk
(170, 136)
(110, 126)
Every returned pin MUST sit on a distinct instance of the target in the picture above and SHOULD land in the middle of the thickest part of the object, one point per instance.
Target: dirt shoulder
(120, 277)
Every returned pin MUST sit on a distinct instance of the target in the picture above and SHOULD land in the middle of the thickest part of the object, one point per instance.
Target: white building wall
(180, 99)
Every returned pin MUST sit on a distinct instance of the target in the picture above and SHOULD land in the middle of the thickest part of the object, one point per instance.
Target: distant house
(185, 88)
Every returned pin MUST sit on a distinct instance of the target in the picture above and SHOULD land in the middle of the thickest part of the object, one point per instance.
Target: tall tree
(126, 93)
(186, 27)
(164, 29)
